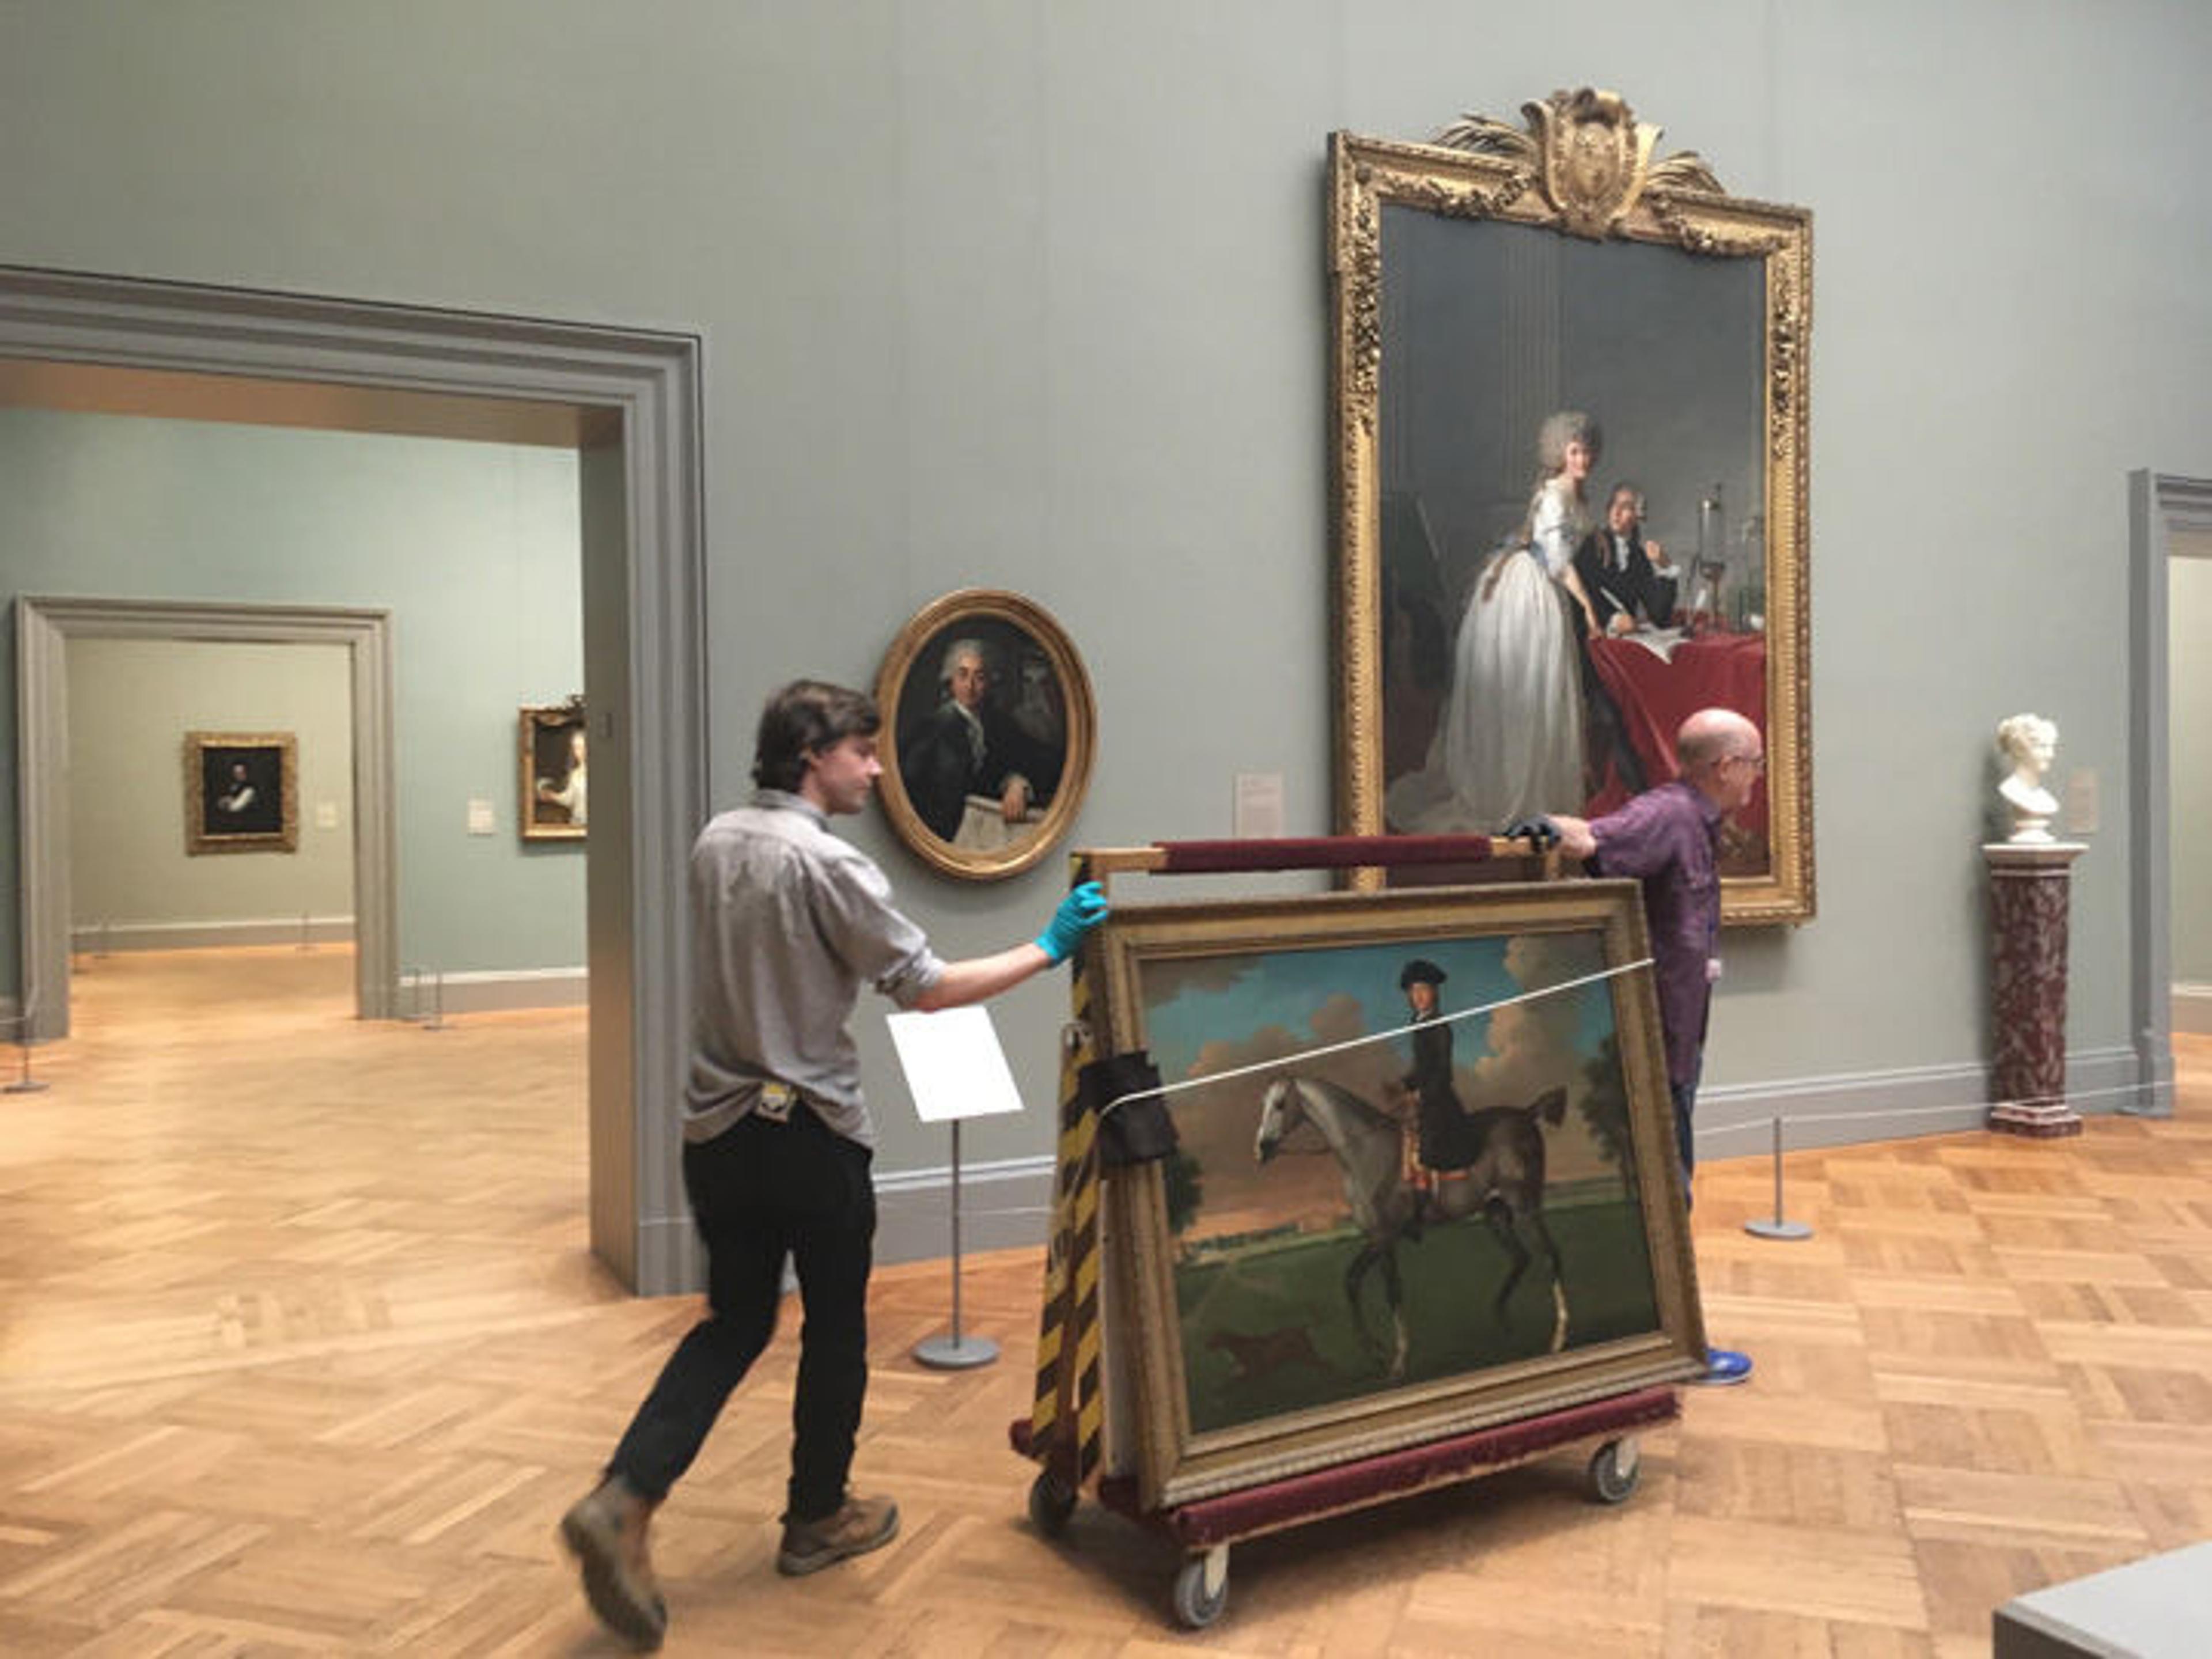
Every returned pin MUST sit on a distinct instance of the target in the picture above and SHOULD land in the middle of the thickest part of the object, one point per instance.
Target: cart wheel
(1613, 1470)
(1202, 1589)
(1051, 1501)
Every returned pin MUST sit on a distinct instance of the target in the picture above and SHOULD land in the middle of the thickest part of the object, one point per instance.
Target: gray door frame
(644, 649)
(44, 628)
(2158, 505)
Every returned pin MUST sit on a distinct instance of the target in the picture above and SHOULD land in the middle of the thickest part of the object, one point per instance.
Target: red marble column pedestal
(2030, 886)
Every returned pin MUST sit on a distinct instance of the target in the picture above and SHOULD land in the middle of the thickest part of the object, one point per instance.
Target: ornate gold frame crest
(1582, 182)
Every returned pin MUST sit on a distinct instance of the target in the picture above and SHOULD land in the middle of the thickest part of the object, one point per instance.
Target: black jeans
(761, 1191)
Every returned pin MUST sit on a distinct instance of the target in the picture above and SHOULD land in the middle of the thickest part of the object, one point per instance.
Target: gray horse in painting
(1504, 1185)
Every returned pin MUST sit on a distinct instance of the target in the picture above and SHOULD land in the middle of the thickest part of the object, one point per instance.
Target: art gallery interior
(370, 374)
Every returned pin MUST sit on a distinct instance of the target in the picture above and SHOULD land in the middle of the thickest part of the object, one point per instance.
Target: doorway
(2169, 518)
(44, 630)
(633, 398)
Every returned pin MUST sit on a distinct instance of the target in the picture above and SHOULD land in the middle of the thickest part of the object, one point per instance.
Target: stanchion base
(27, 1086)
(1767, 1227)
(956, 1353)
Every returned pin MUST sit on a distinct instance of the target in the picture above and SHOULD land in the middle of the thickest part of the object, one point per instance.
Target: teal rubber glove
(1083, 909)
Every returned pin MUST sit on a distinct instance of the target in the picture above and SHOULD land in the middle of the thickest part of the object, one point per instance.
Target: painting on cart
(1424, 1178)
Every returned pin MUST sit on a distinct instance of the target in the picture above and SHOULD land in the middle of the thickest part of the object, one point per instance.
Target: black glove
(1539, 831)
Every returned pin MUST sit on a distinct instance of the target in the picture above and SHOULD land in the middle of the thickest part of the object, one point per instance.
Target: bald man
(1669, 839)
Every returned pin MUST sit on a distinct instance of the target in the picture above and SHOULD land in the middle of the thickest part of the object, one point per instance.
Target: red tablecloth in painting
(1713, 671)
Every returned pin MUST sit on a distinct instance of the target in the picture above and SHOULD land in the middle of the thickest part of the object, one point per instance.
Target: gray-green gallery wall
(1032, 295)
(474, 549)
(134, 880)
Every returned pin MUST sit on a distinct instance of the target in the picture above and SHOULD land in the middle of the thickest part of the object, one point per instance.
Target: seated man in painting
(1627, 575)
(1630, 583)
(968, 745)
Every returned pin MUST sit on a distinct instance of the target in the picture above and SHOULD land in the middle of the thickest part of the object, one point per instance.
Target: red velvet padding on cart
(1208, 1521)
(1190, 858)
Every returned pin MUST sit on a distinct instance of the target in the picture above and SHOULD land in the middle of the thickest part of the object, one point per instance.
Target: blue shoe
(1723, 1367)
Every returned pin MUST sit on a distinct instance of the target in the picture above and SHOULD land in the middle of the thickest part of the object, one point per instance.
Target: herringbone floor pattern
(301, 1352)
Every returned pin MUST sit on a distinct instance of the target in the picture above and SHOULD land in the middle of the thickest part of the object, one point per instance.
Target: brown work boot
(606, 1532)
(855, 1527)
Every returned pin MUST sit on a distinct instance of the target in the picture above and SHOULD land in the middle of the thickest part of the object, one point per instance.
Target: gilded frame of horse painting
(1290, 1289)
(1484, 287)
(988, 793)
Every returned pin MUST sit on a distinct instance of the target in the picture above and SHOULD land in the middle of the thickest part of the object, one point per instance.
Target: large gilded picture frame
(988, 732)
(1281, 1297)
(1521, 628)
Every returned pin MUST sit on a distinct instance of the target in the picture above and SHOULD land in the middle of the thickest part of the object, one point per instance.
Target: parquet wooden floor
(301, 1352)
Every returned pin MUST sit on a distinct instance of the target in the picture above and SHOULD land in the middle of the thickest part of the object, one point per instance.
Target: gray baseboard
(98, 937)
(671, 1259)
(2192, 1009)
(1737, 1120)
(1007, 1205)
(1004, 1206)
(491, 992)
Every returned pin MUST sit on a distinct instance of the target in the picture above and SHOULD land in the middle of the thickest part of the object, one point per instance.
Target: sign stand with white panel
(955, 1069)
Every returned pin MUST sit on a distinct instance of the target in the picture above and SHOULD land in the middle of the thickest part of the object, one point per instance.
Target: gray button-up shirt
(787, 923)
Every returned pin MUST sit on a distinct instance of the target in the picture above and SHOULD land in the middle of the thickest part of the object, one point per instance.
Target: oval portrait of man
(987, 722)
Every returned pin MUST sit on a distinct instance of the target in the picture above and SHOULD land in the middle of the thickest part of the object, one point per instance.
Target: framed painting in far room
(241, 792)
(556, 785)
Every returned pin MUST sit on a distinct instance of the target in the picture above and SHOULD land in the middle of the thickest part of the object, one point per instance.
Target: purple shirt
(1665, 838)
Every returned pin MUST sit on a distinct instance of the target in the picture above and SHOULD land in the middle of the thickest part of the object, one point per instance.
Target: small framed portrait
(556, 804)
(241, 792)
(988, 731)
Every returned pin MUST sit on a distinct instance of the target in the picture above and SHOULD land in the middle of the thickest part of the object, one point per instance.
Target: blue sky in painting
(1191, 1003)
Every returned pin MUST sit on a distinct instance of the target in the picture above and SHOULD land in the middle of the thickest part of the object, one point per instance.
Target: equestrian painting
(1417, 1156)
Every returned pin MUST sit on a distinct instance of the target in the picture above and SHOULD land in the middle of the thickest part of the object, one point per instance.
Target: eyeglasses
(1757, 762)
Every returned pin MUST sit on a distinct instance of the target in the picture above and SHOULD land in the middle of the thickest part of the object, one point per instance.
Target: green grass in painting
(1268, 1329)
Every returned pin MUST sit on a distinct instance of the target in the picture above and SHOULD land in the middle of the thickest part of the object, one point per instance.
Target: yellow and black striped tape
(1067, 1419)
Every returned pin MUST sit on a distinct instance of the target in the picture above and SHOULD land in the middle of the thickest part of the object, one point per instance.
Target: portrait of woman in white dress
(1510, 743)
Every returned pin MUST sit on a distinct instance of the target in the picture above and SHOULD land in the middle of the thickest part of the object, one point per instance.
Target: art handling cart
(1064, 1432)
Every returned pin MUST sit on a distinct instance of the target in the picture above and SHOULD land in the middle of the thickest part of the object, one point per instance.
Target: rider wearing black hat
(1443, 1124)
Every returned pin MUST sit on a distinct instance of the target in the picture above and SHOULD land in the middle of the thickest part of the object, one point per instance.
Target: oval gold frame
(937, 619)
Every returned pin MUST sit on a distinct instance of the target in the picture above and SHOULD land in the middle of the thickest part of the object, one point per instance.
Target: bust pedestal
(2030, 888)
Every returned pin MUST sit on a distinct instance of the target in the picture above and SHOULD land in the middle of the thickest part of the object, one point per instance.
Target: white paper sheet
(954, 1066)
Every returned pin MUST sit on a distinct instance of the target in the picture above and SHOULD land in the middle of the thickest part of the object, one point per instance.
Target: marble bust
(2027, 742)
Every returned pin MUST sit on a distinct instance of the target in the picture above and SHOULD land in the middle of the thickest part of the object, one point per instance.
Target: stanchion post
(1778, 1227)
(436, 1022)
(25, 1084)
(956, 1352)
